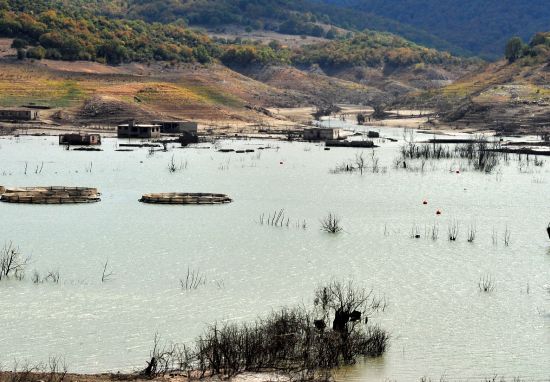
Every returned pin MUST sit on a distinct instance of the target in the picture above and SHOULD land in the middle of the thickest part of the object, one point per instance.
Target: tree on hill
(539, 39)
(514, 49)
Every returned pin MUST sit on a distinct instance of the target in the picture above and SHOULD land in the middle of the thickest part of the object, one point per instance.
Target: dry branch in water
(193, 280)
(107, 273)
(486, 284)
(331, 223)
(12, 263)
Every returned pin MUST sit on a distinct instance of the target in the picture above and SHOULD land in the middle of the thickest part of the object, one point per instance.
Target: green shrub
(36, 52)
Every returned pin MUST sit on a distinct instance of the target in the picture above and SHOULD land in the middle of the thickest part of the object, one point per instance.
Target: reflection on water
(440, 323)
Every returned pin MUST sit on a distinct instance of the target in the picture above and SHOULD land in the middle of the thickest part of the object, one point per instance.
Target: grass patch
(216, 96)
(40, 90)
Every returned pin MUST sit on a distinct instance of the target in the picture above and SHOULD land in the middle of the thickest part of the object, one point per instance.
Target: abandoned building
(10, 114)
(322, 134)
(177, 127)
(80, 139)
(133, 130)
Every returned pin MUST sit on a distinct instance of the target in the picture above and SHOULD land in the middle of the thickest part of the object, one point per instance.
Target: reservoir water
(440, 322)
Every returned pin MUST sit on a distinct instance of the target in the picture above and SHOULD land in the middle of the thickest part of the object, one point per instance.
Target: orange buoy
(438, 212)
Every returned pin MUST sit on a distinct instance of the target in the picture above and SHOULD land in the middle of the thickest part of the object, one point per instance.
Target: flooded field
(441, 323)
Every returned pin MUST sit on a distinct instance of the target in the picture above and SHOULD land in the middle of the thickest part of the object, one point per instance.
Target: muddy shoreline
(287, 120)
(7, 376)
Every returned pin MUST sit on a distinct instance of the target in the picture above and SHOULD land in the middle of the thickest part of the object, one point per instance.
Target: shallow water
(439, 321)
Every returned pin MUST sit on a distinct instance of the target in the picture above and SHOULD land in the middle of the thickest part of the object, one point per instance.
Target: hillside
(510, 95)
(88, 92)
(479, 27)
(85, 92)
(82, 92)
(360, 67)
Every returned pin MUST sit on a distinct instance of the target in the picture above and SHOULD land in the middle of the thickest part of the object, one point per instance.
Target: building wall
(190, 127)
(137, 131)
(168, 127)
(17, 115)
(317, 134)
(311, 134)
(177, 127)
(80, 139)
(329, 134)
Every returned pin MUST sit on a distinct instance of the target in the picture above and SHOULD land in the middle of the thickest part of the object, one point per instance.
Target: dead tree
(11, 262)
(347, 306)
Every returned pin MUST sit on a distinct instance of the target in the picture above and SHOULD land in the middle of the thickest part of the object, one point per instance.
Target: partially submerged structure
(133, 130)
(322, 134)
(50, 195)
(186, 138)
(80, 139)
(185, 198)
(187, 130)
(356, 144)
(18, 114)
(177, 127)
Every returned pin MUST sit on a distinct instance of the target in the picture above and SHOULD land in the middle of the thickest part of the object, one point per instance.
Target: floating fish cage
(185, 198)
(50, 195)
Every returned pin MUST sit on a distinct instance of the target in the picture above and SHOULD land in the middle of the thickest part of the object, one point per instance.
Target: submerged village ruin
(269, 190)
(157, 133)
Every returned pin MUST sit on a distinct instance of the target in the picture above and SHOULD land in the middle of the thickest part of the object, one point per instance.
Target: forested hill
(479, 26)
(96, 31)
(298, 17)
(65, 30)
(465, 27)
